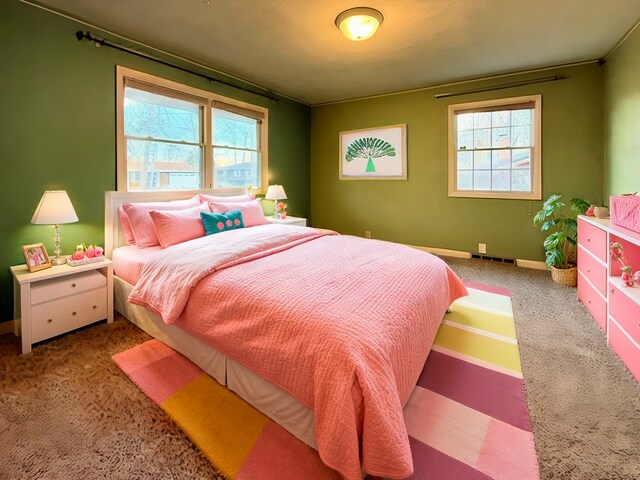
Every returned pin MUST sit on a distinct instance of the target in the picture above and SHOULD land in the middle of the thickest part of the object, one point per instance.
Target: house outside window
(175, 137)
(495, 149)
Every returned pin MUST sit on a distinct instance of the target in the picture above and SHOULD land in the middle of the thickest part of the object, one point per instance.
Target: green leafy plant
(560, 244)
(369, 148)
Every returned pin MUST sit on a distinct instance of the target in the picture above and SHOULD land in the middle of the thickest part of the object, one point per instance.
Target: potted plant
(560, 244)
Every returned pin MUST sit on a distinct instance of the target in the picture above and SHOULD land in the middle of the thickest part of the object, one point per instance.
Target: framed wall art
(378, 153)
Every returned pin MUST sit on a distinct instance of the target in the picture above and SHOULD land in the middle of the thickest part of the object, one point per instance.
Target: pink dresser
(615, 308)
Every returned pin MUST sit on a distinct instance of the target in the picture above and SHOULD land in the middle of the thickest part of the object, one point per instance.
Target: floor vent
(509, 261)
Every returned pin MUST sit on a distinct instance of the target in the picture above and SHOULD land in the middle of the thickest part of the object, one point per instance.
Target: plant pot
(565, 276)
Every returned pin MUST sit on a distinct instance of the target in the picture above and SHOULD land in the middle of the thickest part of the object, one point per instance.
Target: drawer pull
(73, 285)
(588, 270)
(74, 313)
(589, 302)
(49, 320)
(588, 239)
(94, 307)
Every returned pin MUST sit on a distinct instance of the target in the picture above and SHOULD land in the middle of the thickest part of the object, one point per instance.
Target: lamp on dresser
(276, 193)
(55, 208)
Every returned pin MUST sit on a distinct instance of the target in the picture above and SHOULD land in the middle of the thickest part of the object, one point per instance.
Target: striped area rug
(467, 417)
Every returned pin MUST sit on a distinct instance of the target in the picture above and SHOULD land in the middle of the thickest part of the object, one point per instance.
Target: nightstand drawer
(625, 312)
(60, 316)
(69, 285)
(593, 270)
(593, 239)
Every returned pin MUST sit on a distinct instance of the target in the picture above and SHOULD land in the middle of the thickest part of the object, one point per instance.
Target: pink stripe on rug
(493, 393)
(487, 288)
(157, 369)
(278, 454)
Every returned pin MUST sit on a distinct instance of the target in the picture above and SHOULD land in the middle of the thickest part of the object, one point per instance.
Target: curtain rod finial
(79, 35)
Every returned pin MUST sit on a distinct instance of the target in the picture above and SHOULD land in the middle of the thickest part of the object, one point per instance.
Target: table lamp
(54, 209)
(275, 193)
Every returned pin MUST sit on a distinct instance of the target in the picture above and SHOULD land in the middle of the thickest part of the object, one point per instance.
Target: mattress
(128, 261)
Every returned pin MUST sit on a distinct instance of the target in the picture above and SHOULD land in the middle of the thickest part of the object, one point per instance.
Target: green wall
(622, 118)
(57, 127)
(418, 211)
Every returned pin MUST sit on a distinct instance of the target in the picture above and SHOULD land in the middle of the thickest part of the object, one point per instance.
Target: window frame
(536, 157)
(204, 98)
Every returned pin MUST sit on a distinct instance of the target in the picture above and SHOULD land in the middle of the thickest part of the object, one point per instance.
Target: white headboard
(113, 237)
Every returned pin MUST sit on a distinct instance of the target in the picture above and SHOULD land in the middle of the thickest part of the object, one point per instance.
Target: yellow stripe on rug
(479, 346)
(224, 434)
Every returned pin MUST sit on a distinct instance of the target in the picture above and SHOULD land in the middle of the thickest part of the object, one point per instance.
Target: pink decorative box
(625, 211)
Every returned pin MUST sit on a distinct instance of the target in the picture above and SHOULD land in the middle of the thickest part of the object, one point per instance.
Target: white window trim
(123, 73)
(536, 158)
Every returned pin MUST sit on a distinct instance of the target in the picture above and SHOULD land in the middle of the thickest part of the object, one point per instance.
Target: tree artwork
(369, 148)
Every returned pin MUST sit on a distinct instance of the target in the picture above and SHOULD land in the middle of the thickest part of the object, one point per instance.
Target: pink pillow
(177, 226)
(125, 225)
(252, 213)
(143, 229)
(235, 198)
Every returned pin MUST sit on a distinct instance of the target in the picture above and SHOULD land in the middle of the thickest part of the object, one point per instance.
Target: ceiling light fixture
(359, 23)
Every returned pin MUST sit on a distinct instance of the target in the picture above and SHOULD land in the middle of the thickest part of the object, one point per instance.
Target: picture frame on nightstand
(36, 257)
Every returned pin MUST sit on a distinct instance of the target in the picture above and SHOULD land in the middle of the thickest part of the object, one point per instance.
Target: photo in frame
(36, 257)
(378, 153)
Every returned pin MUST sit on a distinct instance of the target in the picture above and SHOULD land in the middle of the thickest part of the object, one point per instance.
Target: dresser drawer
(628, 352)
(594, 302)
(625, 312)
(68, 285)
(68, 313)
(593, 239)
(593, 270)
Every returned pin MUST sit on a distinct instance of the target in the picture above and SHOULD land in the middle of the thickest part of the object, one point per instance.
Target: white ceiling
(293, 46)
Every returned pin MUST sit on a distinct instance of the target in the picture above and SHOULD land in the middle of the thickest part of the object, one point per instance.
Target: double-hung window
(495, 149)
(175, 137)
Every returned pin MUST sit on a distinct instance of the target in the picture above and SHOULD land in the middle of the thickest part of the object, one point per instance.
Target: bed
(270, 312)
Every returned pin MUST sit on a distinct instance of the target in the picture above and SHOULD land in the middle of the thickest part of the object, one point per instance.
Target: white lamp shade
(54, 208)
(275, 192)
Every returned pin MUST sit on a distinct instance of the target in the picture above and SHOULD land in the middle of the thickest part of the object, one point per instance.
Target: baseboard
(444, 252)
(7, 327)
(535, 264)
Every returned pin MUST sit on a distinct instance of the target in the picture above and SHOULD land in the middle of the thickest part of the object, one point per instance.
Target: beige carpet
(66, 410)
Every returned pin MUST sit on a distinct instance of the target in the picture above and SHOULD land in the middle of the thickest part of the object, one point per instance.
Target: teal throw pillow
(220, 222)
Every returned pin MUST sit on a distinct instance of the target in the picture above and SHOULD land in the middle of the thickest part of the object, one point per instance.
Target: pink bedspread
(341, 323)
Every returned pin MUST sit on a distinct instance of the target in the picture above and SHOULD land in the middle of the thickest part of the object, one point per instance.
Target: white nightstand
(297, 221)
(59, 299)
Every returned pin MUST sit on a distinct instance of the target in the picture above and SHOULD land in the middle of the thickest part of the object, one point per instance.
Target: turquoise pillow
(219, 222)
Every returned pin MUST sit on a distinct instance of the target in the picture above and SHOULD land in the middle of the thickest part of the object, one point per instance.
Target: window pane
(482, 180)
(521, 180)
(482, 160)
(501, 119)
(500, 159)
(465, 160)
(482, 120)
(158, 116)
(500, 180)
(481, 138)
(163, 166)
(521, 158)
(235, 168)
(465, 121)
(233, 130)
(521, 136)
(465, 180)
(500, 137)
(521, 117)
(465, 139)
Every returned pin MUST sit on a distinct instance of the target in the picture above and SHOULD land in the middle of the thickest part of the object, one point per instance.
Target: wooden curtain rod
(501, 86)
(80, 35)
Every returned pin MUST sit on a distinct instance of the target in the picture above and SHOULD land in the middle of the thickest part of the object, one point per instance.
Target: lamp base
(58, 260)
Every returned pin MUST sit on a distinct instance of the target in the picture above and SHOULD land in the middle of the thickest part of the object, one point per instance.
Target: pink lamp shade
(54, 208)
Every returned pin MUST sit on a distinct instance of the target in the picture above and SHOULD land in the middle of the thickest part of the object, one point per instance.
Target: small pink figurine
(627, 276)
(589, 212)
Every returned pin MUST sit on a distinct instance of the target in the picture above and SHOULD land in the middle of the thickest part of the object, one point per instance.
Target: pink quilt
(341, 323)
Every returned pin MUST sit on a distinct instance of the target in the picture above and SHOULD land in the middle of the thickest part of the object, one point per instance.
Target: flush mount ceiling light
(359, 23)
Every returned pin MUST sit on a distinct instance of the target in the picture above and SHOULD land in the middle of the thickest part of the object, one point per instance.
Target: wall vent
(509, 261)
